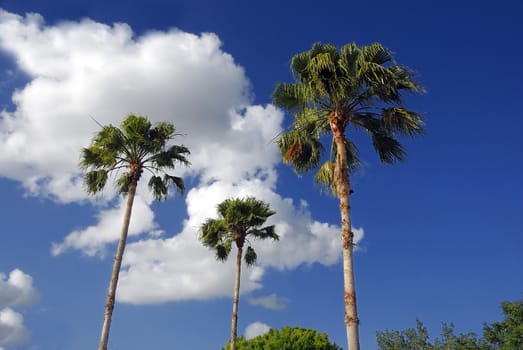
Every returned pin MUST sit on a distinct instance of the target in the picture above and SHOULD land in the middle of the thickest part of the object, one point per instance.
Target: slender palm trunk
(236, 298)
(111, 295)
(341, 177)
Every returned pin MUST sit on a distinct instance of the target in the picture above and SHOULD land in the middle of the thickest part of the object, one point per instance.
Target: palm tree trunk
(111, 295)
(236, 299)
(341, 177)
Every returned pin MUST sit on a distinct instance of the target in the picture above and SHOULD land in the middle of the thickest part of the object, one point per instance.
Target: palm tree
(129, 150)
(237, 219)
(337, 92)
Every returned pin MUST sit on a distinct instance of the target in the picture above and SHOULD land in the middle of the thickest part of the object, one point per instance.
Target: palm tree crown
(133, 148)
(358, 87)
(238, 219)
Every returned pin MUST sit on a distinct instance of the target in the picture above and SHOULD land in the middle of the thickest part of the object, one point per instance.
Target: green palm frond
(353, 160)
(292, 97)
(402, 121)
(299, 64)
(250, 256)
(168, 158)
(160, 134)
(405, 79)
(388, 148)
(223, 251)
(104, 150)
(302, 152)
(213, 232)
(264, 233)
(158, 187)
(95, 180)
(136, 128)
(301, 146)
(324, 178)
(123, 182)
(176, 181)
(376, 53)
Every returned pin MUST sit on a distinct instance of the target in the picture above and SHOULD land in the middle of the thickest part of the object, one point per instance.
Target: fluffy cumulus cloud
(256, 329)
(12, 329)
(16, 290)
(79, 70)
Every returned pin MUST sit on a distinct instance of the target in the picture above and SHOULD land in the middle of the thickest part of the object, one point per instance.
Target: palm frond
(376, 53)
(158, 187)
(388, 148)
(95, 180)
(324, 178)
(302, 153)
(291, 97)
(171, 156)
(404, 77)
(301, 147)
(223, 251)
(136, 128)
(123, 183)
(265, 232)
(250, 256)
(213, 232)
(176, 181)
(402, 121)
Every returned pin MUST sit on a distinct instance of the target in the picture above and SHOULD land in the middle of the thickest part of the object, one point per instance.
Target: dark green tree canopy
(507, 334)
(338, 90)
(288, 338)
(418, 339)
(238, 218)
(503, 335)
(129, 150)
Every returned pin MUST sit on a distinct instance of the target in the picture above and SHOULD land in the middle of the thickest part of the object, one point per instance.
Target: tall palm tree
(237, 220)
(129, 150)
(337, 92)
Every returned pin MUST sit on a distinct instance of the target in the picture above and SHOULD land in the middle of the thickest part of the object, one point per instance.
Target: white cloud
(17, 290)
(83, 69)
(93, 239)
(256, 329)
(272, 302)
(12, 329)
(179, 267)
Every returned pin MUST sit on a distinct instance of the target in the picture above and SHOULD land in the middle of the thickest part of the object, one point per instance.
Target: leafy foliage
(288, 338)
(418, 339)
(503, 335)
(507, 334)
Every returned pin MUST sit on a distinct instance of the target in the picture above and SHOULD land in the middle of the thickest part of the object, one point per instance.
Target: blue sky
(440, 235)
